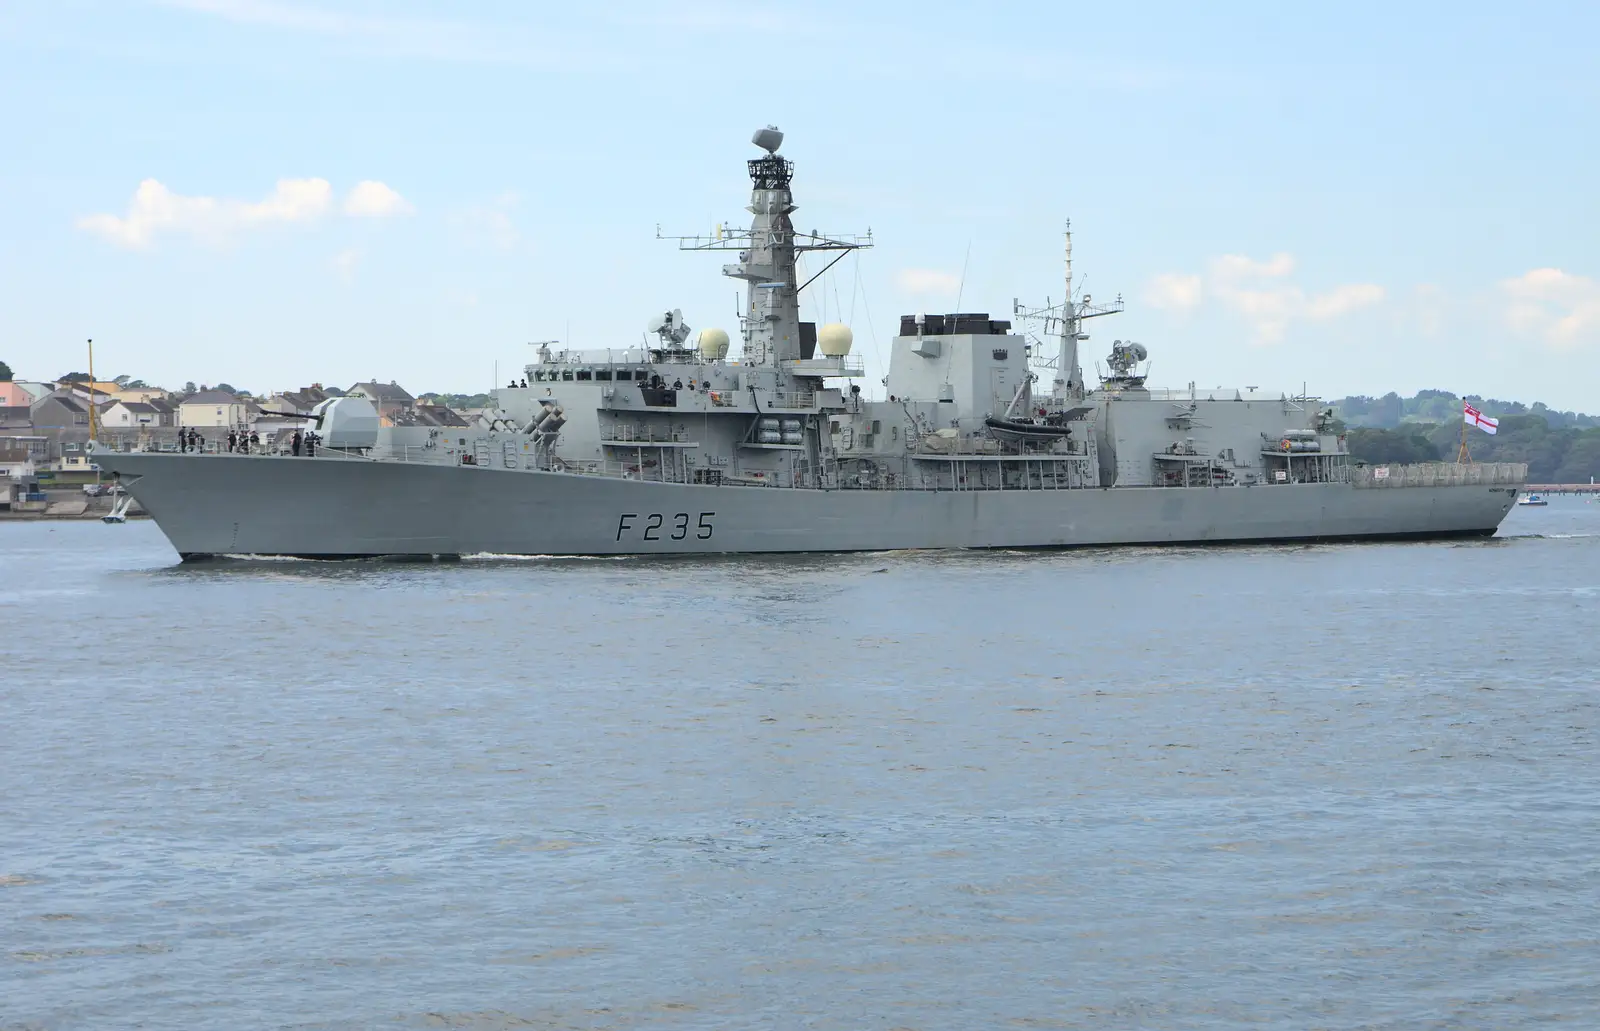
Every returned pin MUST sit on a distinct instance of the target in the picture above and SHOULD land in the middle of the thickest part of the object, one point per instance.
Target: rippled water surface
(1303, 787)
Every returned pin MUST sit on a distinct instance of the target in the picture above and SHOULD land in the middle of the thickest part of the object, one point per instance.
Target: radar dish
(669, 326)
(768, 139)
(1125, 356)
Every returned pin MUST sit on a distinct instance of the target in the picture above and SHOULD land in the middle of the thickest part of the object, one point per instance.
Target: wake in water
(491, 556)
(1545, 536)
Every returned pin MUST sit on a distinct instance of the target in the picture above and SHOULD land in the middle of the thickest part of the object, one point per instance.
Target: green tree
(74, 377)
(1581, 462)
(460, 401)
(1441, 406)
(1386, 411)
(5, 373)
(1432, 406)
(1382, 446)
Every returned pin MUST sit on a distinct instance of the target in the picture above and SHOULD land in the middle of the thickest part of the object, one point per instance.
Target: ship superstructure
(673, 445)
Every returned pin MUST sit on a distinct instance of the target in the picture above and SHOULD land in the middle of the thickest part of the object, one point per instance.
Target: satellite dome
(768, 139)
(834, 340)
(713, 344)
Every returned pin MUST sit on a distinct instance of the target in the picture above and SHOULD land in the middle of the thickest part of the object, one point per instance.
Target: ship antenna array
(732, 238)
(1058, 319)
(1065, 321)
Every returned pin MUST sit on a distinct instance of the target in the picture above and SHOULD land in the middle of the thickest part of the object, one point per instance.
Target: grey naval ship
(988, 437)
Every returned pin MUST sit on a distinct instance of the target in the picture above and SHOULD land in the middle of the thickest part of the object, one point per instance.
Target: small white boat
(1531, 500)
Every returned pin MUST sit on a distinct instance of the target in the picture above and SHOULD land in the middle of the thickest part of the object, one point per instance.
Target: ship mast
(767, 250)
(1069, 375)
(772, 319)
(1071, 313)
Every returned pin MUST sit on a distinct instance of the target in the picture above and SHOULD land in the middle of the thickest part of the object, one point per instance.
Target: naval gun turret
(347, 423)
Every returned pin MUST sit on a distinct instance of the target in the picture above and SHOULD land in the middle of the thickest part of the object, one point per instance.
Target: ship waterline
(341, 509)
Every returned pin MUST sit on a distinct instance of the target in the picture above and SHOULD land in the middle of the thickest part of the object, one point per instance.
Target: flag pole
(1463, 456)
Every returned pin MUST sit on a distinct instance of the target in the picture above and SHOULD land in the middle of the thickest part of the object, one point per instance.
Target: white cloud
(1268, 311)
(731, 17)
(1560, 308)
(426, 38)
(1343, 299)
(1174, 290)
(156, 209)
(1428, 308)
(372, 199)
(278, 15)
(344, 264)
(1260, 292)
(490, 223)
(1233, 267)
(927, 281)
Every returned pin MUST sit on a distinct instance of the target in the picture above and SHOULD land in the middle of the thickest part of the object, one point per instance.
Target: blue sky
(1361, 197)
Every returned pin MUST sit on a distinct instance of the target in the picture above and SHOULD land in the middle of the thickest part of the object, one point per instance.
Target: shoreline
(35, 517)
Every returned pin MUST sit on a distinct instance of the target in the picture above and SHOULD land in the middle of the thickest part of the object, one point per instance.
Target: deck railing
(1440, 474)
(629, 434)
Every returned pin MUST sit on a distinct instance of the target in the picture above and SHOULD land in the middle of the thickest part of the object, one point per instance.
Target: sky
(1358, 197)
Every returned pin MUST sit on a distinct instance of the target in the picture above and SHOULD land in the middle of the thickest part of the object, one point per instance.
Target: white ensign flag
(1478, 419)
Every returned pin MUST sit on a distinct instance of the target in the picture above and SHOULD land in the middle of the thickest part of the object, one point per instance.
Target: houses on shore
(49, 422)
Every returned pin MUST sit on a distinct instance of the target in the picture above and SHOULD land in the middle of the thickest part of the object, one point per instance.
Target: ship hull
(210, 505)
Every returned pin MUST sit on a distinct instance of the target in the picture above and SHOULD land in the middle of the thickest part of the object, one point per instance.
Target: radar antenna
(1066, 320)
(670, 327)
(770, 320)
(1125, 357)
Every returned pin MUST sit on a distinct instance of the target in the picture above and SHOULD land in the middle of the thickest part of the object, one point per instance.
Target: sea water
(1344, 786)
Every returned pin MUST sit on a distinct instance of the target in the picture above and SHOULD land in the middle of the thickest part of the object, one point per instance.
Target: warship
(987, 436)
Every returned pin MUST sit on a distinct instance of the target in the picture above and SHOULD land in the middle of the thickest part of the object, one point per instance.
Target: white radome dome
(834, 340)
(713, 344)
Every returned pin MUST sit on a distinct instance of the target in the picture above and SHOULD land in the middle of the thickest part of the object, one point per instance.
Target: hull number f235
(655, 526)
